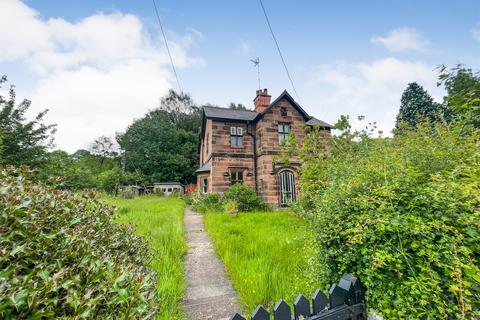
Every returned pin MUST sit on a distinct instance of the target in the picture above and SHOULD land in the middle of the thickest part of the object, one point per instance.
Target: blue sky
(98, 64)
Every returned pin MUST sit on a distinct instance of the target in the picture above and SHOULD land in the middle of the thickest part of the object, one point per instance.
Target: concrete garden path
(209, 292)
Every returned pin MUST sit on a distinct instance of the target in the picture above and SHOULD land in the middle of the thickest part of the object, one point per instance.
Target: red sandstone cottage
(238, 146)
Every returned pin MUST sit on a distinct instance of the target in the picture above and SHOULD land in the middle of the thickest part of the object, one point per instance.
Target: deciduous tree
(162, 146)
(103, 147)
(463, 93)
(24, 141)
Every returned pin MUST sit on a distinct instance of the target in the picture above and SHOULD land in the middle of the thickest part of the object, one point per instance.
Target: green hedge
(62, 256)
(403, 214)
(243, 196)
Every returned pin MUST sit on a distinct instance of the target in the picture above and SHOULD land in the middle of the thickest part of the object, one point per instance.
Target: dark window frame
(204, 185)
(236, 176)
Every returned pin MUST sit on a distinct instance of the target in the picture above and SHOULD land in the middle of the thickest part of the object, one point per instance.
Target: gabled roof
(315, 122)
(289, 98)
(230, 114)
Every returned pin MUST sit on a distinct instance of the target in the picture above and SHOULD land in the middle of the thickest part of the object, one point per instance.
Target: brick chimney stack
(262, 100)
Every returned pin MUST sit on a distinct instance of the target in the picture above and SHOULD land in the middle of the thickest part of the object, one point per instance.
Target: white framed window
(236, 176)
(204, 185)
(236, 136)
(283, 131)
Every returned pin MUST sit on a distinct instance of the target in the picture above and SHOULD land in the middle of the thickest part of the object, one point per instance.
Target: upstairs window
(283, 131)
(283, 111)
(236, 136)
(236, 176)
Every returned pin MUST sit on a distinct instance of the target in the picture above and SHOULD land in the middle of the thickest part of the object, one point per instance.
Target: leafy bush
(62, 256)
(245, 196)
(109, 180)
(401, 213)
(231, 207)
(207, 202)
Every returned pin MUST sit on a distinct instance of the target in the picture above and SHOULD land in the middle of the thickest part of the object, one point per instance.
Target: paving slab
(209, 293)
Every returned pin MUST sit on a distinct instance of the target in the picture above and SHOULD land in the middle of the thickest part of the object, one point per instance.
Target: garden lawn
(268, 255)
(160, 220)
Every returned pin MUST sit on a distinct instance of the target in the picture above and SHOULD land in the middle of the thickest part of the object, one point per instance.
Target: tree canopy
(162, 145)
(22, 141)
(417, 105)
(103, 147)
(463, 93)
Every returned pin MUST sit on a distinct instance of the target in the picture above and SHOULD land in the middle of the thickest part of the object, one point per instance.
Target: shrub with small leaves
(402, 214)
(231, 207)
(245, 197)
(207, 202)
(62, 256)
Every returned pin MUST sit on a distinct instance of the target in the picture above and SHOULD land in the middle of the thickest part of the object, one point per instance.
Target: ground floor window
(236, 176)
(204, 185)
(287, 188)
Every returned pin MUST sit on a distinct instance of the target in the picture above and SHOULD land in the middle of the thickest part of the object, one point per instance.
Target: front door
(287, 188)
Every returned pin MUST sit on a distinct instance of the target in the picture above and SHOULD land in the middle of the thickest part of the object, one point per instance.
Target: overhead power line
(166, 45)
(279, 51)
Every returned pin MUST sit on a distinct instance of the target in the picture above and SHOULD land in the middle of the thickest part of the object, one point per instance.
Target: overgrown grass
(268, 255)
(160, 220)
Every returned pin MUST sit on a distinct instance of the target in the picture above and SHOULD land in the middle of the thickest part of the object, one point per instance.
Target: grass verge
(160, 220)
(268, 255)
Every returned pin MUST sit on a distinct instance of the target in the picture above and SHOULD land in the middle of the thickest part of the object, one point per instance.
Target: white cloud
(22, 32)
(95, 75)
(370, 89)
(402, 39)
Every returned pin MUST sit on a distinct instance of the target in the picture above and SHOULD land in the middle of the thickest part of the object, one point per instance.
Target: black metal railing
(346, 301)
